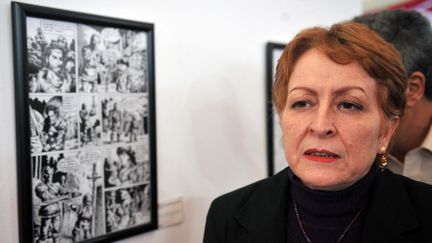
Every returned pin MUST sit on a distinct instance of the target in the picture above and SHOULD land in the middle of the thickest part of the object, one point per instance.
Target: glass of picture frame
(85, 122)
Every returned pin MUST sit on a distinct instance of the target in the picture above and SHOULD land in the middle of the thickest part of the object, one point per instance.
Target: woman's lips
(321, 155)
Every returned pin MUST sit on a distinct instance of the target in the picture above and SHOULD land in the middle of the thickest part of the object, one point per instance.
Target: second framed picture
(86, 133)
(275, 154)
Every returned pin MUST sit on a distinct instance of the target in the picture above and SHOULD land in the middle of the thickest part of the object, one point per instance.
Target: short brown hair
(345, 43)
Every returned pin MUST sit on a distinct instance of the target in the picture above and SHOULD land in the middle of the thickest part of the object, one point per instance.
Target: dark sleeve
(212, 231)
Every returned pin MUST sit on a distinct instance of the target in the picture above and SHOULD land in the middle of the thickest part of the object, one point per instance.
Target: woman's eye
(347, 105)
(301, 104)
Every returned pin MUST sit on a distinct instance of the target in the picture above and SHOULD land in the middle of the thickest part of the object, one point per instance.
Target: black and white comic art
(112, 60)
(126, 165)
(124, 119)
(127, 206)
(68, 201)
(90, 151)
(51, 56)
(90, 126)
(53, 123)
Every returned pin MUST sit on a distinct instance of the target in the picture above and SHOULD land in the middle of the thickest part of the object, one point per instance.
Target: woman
(339, 94)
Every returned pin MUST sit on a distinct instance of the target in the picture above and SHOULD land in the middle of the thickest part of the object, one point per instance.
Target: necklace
(339, 240)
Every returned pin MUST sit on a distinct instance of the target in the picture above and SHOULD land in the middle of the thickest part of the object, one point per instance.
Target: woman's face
(332, 123)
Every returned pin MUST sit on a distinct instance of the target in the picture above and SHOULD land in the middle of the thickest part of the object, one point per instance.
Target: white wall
(209, 89)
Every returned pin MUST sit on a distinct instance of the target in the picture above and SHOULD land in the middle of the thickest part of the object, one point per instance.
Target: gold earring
(383, 161)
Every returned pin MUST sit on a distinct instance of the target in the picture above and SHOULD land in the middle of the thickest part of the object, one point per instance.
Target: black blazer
(400, 210)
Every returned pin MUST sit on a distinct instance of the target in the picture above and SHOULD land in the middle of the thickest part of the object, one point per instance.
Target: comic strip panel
(53, 123)
(51, 56)
(126, 165)
(124, 119)
(126, 207)
(112, 60)
(67, 196)
(90, 125)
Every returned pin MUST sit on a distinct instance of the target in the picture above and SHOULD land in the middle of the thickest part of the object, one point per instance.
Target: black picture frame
(85, 125)
(275, 158)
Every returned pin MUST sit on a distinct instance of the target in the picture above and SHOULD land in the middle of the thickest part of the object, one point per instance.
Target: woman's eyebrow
(338, 91)
(346, 89)
(304, 88)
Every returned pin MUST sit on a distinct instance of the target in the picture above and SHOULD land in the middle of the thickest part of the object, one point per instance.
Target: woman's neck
(333, 203)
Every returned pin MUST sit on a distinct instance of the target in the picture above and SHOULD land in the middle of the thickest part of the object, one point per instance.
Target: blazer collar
(264, 216)
(391, 212)
(389, 215)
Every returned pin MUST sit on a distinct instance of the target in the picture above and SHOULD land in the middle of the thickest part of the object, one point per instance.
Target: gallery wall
(210, 102)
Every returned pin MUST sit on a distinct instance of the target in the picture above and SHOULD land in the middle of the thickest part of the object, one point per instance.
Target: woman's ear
(388, 129)
(415, 88)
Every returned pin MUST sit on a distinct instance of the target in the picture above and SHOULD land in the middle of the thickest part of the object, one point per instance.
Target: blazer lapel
(265, 215)
(390, 213)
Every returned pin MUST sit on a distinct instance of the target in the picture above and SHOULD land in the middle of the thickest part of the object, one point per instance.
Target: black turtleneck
(326, 214)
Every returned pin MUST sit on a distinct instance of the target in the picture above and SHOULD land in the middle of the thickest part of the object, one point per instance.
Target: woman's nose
(322, 124)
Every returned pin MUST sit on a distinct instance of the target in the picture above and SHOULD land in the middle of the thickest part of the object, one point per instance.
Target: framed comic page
(85, 122)
(275, 154)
